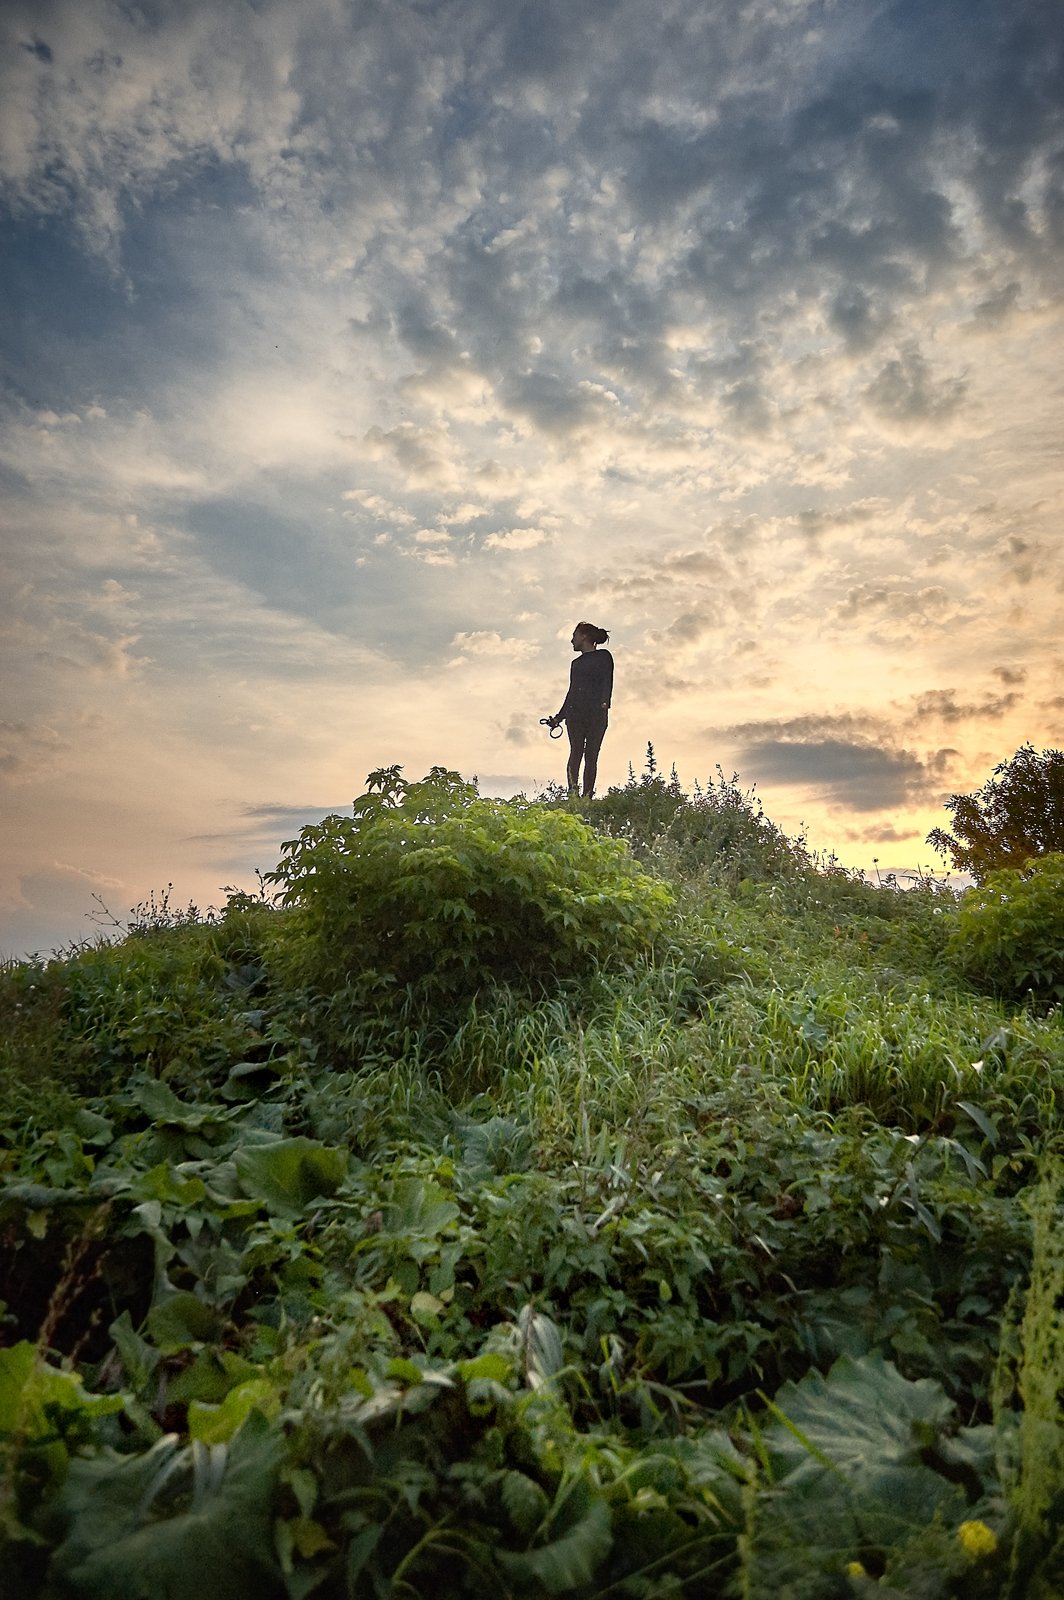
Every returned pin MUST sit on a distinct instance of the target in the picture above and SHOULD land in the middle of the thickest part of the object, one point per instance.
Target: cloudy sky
(355, 349)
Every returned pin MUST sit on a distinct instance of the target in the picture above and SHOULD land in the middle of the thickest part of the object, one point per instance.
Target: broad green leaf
(290, 1174)
(30, 1386)
(863, 1412)
(541, 1346)
(174, 1523)
(849, 1473)
(571, 1559)
(16, 1367)
(39, 1197)
(492, 1365)
(159, 1102)
(162, 1185)
(425, 1308)
(308, 1537)
(217, 1424)
(405, 1371)
(420, 1207)
(210, 1377)
(183, 1320)
(497, 1145)
(360, 1550)
(92, 1128)
(981, 1120)
(139, 1359)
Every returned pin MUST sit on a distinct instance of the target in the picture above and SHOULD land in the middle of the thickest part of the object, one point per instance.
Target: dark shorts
(587, 724)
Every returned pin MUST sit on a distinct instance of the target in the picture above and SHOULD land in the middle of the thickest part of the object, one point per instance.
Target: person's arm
(607, 680)
(561, 715)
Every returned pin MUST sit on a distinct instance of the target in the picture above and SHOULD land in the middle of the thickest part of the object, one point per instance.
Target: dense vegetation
(586, 1199)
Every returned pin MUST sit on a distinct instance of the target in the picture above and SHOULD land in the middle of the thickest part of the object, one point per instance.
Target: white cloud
(378, 506)
(462, 515)
(517, 539)
(487, 642)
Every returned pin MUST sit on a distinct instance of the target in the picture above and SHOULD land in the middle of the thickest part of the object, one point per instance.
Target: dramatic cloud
(857, 777)
(841, 760)
(942, 705)
(353, 353)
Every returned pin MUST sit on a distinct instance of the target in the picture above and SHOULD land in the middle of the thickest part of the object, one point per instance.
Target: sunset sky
(353, 350)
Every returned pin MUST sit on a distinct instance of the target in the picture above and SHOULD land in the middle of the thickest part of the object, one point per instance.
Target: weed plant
(706, 1243)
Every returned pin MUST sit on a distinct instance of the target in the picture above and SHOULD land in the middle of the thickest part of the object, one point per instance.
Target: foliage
(132, 1527)
(1010, 931)
(720, 830)
(178, 995)
(716, 1254)
(863, 1467)
(431, 890)
(1029, 1389)
(1017, 815)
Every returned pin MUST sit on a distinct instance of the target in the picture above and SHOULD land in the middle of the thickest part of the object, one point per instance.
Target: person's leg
(592, 745)
(577, 739)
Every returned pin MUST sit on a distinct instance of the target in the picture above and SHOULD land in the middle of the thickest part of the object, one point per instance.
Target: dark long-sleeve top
(590, 685)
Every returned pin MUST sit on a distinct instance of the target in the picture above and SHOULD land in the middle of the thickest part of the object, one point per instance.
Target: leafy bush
(429, 889)
(178, 995)
(720, 830)
(1010, 931)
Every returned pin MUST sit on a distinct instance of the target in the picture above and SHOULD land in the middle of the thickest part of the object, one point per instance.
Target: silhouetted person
(586, 709)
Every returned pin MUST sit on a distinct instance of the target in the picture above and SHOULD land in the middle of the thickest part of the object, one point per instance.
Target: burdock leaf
(290, 1174)
(573, 1558)
(170, 1522)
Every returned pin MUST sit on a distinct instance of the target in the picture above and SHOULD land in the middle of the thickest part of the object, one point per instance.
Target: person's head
(586, 636)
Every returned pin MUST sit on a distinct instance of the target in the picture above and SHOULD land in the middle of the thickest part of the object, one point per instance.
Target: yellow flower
(855, 1569)
(977, 1538)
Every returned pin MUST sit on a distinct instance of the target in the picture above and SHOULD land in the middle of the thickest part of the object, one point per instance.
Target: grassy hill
(599, 1200)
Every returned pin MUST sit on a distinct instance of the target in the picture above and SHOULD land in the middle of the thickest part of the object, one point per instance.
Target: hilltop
(539, 1198)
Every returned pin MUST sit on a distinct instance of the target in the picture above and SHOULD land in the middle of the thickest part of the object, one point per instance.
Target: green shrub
(719, 832)
(178, 1000)
(429, 890)
(1010, 931)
